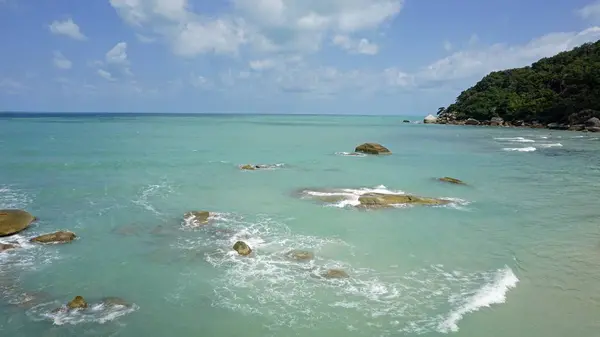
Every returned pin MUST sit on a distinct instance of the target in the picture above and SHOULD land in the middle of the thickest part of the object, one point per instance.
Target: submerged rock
(197, 218)
(378, 200)
(372, 148)
(115, 301)
(58, 237)
(7, 246)
(242, 248)
(452, 180)
(300, 255)
(335, 273)
(12, 221)
(77, 303)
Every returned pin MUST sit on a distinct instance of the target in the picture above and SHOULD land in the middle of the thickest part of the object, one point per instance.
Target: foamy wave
(150, 192)
(520, 149)
(96, 313)
(551, 145)
(350, 154)
(516, 140)
(491, 293)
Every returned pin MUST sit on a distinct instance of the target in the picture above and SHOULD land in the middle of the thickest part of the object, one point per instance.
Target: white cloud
(473, 39)
(202, 36)
(105, 74)
(60, 61)
(67, 28)
(262, 64)
(118, 54)
(362, 46)
(590, 12)
(144, 39)
(447, 45)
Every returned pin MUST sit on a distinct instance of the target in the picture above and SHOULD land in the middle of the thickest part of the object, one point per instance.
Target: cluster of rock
(13, 221)
(582, 121)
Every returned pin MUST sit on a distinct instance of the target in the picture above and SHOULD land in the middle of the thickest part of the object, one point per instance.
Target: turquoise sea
(516, 253)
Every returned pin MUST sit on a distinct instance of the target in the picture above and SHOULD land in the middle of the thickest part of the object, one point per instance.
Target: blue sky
(271, 56)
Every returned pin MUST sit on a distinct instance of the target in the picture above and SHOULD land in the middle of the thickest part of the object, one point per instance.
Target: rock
(77, 303)
(406, 121)
(248, 167)
(7, 246)
(582, 116)
(452, 180)
(335, 273)
(242, 248)
(58, 237)
(372, 148)
(578, 127)
(593, 129)
(593, 122)
(519, 123)
(472, 121)
(197, 218)
(300, 255)
(497, 121)
(430, 119)
(13, 221)
(556, 126)
(378, 200)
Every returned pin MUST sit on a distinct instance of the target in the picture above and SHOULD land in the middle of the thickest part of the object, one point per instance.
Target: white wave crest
(516, 140)
(493, 292)
(350, 154)
(96, 313)
(551, 145)
(520, 149)
(348, 196)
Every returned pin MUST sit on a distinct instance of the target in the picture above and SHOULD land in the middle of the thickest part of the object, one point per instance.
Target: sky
(401, 57)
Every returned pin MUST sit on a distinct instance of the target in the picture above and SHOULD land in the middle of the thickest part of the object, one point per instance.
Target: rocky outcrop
(496, 121)
(379, 200)
(335, 273)
(592, 122)
(7, 246)
(557, 126)
(430, 119)
(12, 221)
(452, 180)
(472, 121)
(57, 237)
(583, 116)
(196, 218)
(372, 148)
(593, 129)
(77, 303)
(242, 248)
(300, 255)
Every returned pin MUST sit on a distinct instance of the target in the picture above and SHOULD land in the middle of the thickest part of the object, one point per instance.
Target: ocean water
(516, 252)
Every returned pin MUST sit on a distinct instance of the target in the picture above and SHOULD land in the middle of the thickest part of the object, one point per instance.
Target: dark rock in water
(406, 121)
(497, 121)
(593, 122)
(452, 180)
(335, 273)
(197, 218)
(300, 255)
(593, 129)
(77, 303)
(472, 121)
(578, 127)
(12, 221)
(372, 148)
(242, 248)
(377, 200)
(556, 126)
(7, 246)
(58, 237)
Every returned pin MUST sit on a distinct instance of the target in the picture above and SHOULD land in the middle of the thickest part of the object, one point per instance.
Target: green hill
(560, 89)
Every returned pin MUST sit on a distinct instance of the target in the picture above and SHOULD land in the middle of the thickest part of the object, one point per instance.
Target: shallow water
(516, 252)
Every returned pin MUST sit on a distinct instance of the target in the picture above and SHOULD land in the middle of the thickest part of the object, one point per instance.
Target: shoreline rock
(57, 237)
(13, 221)
(452, 180)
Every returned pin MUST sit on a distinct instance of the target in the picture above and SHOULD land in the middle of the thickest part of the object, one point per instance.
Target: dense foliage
(549, 90)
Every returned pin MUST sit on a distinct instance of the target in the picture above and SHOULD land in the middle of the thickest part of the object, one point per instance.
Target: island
(559, 92)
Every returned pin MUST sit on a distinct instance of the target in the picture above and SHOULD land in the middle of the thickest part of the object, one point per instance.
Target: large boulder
(582, 116)
(496, 121)
(57, 237)
(7, 246)
(593, 122)
(77, 303)
(13, 221)
(372, 148)
(242, 248)
(380, 200)
(593, 129)
(335, 273)
(430, 119)
(196, 218)
(452, 180)
(472, 121)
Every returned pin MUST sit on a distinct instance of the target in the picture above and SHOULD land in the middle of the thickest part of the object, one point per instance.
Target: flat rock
(372, 148)
(77, 303)
(378, 200)
(57, 237)
(335, 273)
(452, 180)
(242, 248)
(12, 221)
(197, 218)
(7, 246)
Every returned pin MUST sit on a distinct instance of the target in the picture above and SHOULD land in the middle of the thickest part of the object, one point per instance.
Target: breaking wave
(96, 313)
(520, 149)
(516, 140)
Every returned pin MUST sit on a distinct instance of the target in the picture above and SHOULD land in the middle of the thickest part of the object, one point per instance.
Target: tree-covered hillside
(549, 91)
